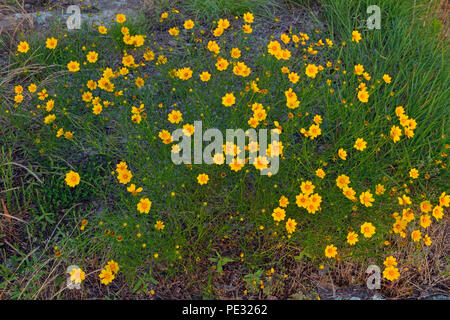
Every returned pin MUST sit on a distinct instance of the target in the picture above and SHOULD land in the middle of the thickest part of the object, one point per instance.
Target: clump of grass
(112, 114)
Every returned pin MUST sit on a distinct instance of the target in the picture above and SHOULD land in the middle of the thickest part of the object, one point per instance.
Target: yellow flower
(379, 189)
(283, 202)
(367, 229)
(425, 221)
(278, 214)
(391, 273)
(358, 69)
(133, 190)
(291, 225)
(77, 275)
(438, 212)
(159, 225)
(124, 176)
(356, 36)
(390, 261)
(416, 235)
(387, 78)
(248, 17)
(202, 178)
(311, 70)
(246, 28)
(72, 179)
(307, 187)
(184, 73)
(360, 144)
(144, 205)
(427, 240)
(112, 266)
(414, 173)
(205, 76)
(107, 276)
(188, 24)
(330, 251)
(366, 198)
(121, 18)
(342, 154)
(395, 133)
(73, 66)
(352, 238)
(102, 29)
(174, 31)
(175, 116)
(363, 96)
(92, 57)
(320, 173)
(23, 47)
(51, 43)
(342, 181)
(228, 100)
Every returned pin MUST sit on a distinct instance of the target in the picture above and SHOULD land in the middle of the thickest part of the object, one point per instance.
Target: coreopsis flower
(202, 178)
(425, 221)
(112, 266)
(229, 99)
(92, 57)
(386, 78)
(174, 31)
(425, 206)
(133, 190)
(51, 43)
(102, 29)
(139, 82)
(438, 212)
(23, 47)
(379, 189)
(165, 136)
(360, 144)
(414, 173)
(235, 53)
(283, 202)
(349, 193)
(444, 200)
(342, 154)
(32, 88)
(184, 73)
(72, 179)
(320, 173)
(363, 96)
(366, 198)
(358, 69)
(144, 205)
(293, 77)
(222, 64)
(390, 261)
(311, 70)
(223, 23)
(128, 60)
(159, 225)
(391, 273)
(404, 200)
(213, 47)
(302, 200)
(175, 116)
(73, 66)
(278, 214)
(342, 181)
(416, 235)
(307, 187)
(427, 240)
(189, 24)
(121, 18)
(248, 17)
(367, 229)
(205, 76)
(124, 176)
(352, 238)
(77, 275)
(356, 36)
(106, 276)
(330, 251)
(395, 133)
(188, 130)
(246, 28)
(291, 225)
